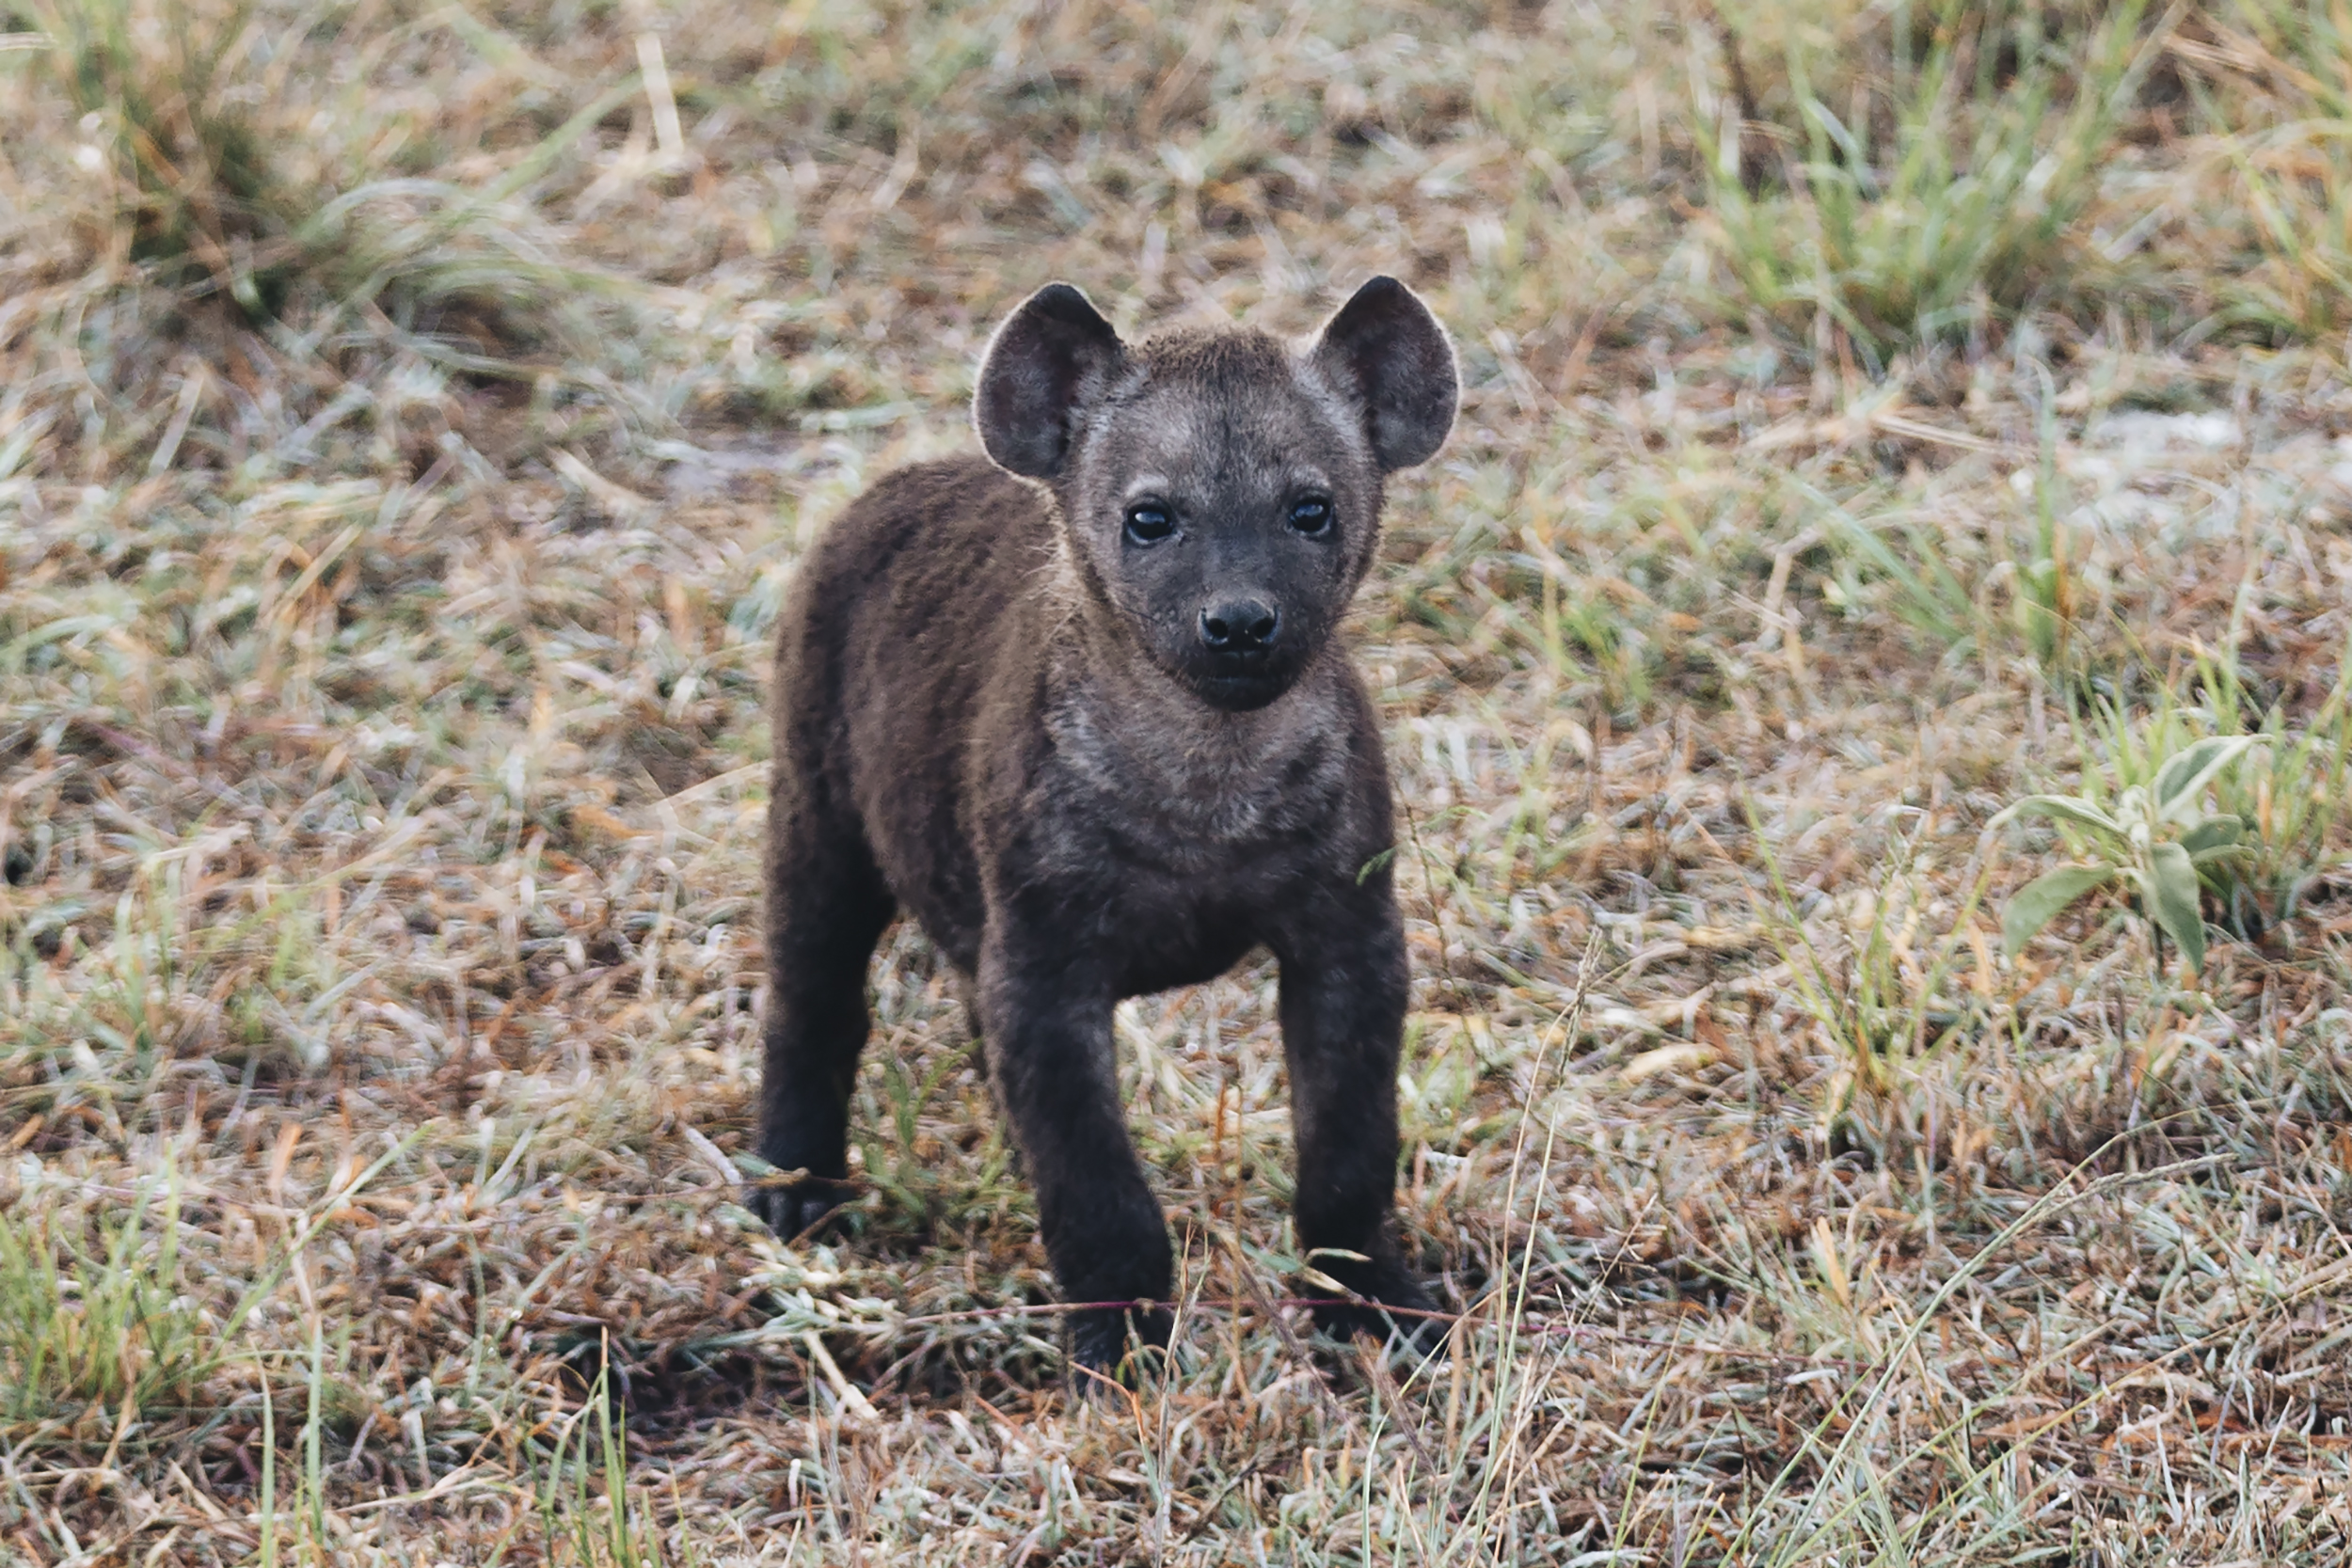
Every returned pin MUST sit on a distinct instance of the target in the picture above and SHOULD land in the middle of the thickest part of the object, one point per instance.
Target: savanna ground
(1876, 415)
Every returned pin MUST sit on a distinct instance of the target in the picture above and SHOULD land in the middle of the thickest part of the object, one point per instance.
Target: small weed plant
(2205, 808)
(2153, 833)
(181, 161)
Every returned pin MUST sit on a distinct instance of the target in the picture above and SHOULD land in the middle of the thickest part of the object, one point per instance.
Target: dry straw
(410, 417)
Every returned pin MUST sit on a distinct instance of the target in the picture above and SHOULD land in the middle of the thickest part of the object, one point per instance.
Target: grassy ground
(1877, 415)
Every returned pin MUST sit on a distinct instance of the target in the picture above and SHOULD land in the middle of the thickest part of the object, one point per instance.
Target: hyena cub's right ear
(1050, 359)
(1387, 352)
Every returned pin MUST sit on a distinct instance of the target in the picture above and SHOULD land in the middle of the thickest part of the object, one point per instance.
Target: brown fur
(1004, 708)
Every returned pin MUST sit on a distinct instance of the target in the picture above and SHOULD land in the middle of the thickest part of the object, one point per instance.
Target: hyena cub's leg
(1343, 997)
(1047, 1029)
(827, 906)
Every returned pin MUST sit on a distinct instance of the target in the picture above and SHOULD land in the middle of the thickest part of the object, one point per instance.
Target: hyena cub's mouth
(1240, 693)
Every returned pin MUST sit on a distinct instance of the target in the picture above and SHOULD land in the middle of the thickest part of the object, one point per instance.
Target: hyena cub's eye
(1311, 515)
(1148, 523)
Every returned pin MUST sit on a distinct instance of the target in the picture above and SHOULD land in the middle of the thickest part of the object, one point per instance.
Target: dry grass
(408, 419)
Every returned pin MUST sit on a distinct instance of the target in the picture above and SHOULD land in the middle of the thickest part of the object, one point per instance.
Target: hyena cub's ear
(1387, 351)
(1051, 359)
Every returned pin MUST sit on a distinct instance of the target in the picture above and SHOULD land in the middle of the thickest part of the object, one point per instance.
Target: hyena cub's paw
(798, 1209)
(1121, 1343)
(1383, 1301)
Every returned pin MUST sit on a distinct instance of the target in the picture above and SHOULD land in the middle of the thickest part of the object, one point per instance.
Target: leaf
(2181, 782)
(2066, 808)
(2218, 831)
(2039, 901)
(2170, 883)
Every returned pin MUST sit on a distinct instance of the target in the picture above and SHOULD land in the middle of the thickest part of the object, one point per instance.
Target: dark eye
(1148, 523)
(1311, 515)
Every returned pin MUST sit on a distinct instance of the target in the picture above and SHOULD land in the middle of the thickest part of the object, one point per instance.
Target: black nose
(1239, 626)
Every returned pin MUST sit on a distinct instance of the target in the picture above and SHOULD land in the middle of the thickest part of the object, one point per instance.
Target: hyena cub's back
(1077, 708)
(891, 625)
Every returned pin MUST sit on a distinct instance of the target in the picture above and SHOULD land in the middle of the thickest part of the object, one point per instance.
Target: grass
(176, 154)
(1967, 205)
(96, 1323)
(401, 467)
(2283, 156)
(2287, 797)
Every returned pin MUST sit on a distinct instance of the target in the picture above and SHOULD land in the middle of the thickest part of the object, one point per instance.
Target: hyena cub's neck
(1158, 754)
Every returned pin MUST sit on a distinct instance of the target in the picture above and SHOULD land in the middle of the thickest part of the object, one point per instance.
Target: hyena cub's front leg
(1046, 1025)
(1344, 998)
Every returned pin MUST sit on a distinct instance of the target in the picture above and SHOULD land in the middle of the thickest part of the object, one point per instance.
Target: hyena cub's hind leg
(827, 906)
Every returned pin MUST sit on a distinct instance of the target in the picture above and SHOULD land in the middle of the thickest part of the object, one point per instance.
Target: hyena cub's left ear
(1385, 349)
(1051, 359)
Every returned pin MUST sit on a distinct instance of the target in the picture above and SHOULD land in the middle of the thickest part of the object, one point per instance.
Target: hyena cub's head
(1222, 489)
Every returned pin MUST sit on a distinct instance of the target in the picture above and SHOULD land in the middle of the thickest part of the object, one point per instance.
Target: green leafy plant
(2156, 836)
(587, 1512)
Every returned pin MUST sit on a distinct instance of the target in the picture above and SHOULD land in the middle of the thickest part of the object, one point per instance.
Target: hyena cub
(1077, 707)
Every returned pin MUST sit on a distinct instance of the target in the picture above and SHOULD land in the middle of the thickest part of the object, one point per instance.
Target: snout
(1243, 656)
(1240, 635)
